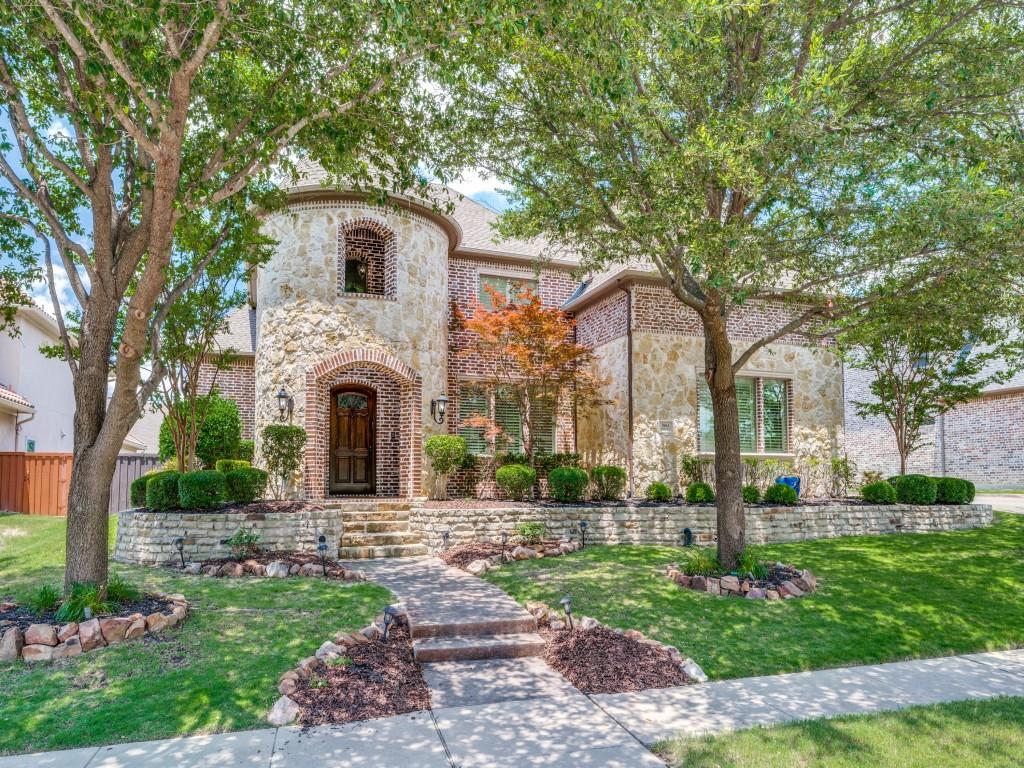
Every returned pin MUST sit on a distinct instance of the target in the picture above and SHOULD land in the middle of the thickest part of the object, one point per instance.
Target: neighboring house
(981, 440)
(37, 403)
(351, 319)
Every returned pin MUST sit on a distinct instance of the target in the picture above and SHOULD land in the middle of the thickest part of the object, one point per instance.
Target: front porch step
(368, 552)
(501, 622)
(358, 517)
(468, 648)
(367, 505)
(356, 539)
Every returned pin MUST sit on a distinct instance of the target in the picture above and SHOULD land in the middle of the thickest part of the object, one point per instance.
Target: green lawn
(968, 734)
(217, 672)
(881, 598)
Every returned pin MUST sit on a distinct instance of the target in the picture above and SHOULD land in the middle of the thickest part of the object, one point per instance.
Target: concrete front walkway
(1002, 502)
(564, 727)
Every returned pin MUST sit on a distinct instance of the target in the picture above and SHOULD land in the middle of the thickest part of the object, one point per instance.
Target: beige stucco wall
(303, 320)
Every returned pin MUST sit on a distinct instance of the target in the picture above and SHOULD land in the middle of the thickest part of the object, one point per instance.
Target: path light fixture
(321, 547)
(390, 614)
(438, 406)
(446, 537)
(687, 537)
(567, 606)
(285, 403)
(504, 544)
(179, 544)
(583, 534)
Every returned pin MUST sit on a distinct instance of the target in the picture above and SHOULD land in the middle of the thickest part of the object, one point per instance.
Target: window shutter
(776, 416)
(472, 402)
(542, 419)
(745, 403)
(506, 416)
(706, 415)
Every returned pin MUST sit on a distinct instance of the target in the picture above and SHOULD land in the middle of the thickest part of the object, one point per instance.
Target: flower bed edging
(522, 552)
(275, 569)
(733, 586)
(48, 642)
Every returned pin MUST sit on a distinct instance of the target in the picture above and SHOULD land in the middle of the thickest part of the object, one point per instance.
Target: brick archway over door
(399, 433)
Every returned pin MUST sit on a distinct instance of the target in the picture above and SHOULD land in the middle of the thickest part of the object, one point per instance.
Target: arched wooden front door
(352, 440)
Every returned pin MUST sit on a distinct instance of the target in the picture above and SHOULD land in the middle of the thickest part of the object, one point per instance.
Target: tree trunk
(88, 501)
(728, 464)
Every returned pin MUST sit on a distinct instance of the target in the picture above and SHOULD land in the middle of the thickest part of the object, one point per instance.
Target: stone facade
(147, 538)
(981, 440)
(664, 525)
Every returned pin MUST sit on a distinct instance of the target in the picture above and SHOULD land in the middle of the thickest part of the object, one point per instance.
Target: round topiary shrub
(245, 484)
(162, 490)
(659, 492)
(953, 490)
(515, 480)
(878, 493)
(751, 494)
(699, 493)
(916, 489)
(609, 482)
(204, 489)
(780, 493)
(567, 484)
(229, 465)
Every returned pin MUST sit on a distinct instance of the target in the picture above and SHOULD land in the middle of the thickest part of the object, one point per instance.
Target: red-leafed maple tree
(533, 357)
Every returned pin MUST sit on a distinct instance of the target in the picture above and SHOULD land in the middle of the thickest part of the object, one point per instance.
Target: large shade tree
(807, 154)
(121, 118)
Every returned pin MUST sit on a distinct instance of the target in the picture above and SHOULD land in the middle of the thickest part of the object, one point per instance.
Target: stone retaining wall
(664, 525)
(147, 538)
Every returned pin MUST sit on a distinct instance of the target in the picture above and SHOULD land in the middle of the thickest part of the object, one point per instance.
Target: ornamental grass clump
(916, 489)
(567, 484)
(609, 482)
(879, 492)
(658, 492)
(699, 493)
(515, 480)
(700, 561)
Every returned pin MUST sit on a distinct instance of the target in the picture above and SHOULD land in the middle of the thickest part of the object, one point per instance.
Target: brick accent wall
(372, 243)
(236, 382)
(604, 321)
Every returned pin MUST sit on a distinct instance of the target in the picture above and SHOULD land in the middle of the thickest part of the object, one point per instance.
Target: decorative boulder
(70, 647)
(693, 671)
(277, 570)
(523, 553)
(478, 567)
(11, 644)
(90, 635)
(40, 634)
(193, 569)
(284, 712)
(730, 583)
(68, 630)
(231, 570)
(157, 621)
(114, 629)
(136, 629)
(329, 650)
(589, 623)
(37, 652)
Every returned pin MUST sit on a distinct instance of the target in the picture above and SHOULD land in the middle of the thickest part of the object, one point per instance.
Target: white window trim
(754, 373)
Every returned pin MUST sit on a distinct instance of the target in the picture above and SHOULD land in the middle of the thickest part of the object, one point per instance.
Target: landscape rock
(329, 650)
(633, 634)
(211, 570)
(288, 686)
(587, 622)
(556, 624)
(772, 594)
(699, 583)
(284, 712)
(193, 569)
(478, 567)
(309, 664)
(136, 629)
(311, 569)
(11, 644)
(294, 570)
(789, 589)
(37, 652)
(538, 609)
(731, 583)
(90, 636)
(232, 570)
(40, 634)
(155, 622)
(523, 553)
(277, 570)
(693, 671)
(71, 647)
(68, 630)
(113, 630)
(683, 580)
(714, 586)
(756, 593)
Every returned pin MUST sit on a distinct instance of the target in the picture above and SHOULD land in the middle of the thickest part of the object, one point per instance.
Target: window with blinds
(507, 419)
(542, 420)
(472, 402)
(502, 408)
(773, 406)
(512, 288)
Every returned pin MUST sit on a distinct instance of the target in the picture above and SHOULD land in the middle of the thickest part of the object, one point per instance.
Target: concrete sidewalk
(563, 727)
(1002, 502)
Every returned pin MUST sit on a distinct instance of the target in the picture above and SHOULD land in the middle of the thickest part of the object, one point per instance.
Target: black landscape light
(583, 534)
(321, 547)
(446, 537)
(567, 606)
(390, 614)
(504, 543)
(179, 544)
(687, 537)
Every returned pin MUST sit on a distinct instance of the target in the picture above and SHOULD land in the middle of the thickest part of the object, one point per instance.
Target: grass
(968, 734)
(217, 672)
(881, 598)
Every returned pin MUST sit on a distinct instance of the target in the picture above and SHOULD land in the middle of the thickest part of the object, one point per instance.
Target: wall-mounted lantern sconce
(438, 406)
(285, 403)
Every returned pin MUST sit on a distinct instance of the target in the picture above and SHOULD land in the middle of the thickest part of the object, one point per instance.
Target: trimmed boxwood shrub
(916, 489)
(780, 493)
(609, 482)
(953, 490)
(162, 490)
(699, 493)
(202, 490)
(137, 490)
(879, 493)
(245, 484)
(659, 492)
(567, 484)
(751, 494)
(246, 450)
(229, 465)
(515, 479)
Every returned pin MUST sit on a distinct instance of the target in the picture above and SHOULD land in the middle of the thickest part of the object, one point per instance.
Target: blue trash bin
(790, 480)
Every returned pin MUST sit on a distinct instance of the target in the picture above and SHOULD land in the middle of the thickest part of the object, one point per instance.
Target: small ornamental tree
(533, 357)
(217, 435)
(282, 446)
(446, 454)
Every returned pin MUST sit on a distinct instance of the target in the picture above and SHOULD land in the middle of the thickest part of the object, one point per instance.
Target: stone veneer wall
(664, 525)
(147, 538)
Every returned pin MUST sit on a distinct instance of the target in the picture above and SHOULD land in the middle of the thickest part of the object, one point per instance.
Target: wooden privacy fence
(37, 483)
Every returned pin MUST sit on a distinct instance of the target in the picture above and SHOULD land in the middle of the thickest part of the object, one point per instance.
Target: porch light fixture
(179, 544)
(321, 547)
(285, 403)
(687, 537)
(566, 603)
(390, 614)
(583, 534)
(438, 406)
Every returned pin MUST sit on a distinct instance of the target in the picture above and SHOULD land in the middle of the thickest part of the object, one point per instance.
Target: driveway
(1002, 502)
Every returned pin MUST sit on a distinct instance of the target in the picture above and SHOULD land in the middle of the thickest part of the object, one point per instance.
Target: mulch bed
(462, 555)
(639, 503)
(777, 573)
(263, 558)
(600, 660)
(22, 617)
(251, 508)
(381, 681)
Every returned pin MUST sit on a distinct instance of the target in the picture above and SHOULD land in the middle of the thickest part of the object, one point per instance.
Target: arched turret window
(366, 258)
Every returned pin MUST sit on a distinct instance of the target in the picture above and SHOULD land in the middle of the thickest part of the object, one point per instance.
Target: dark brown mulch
(777, 573)
(250, 508)
(640, 503)
(381, 681)
(20, 616)
(462, 555)
(602, 661)
(263, 558)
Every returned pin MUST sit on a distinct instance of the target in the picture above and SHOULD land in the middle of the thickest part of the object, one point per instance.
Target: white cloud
(474, 181)
(65, 295)
(58, 129)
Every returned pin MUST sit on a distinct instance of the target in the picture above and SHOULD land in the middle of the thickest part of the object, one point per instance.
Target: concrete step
(354, 539)
(364, 553)
(374, 516)
(468, 648)
(499, 623)
(361, 526)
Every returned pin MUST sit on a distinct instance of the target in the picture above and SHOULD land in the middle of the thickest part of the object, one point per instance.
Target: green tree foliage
(815, 156)
(219, 434)
(446, 454)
